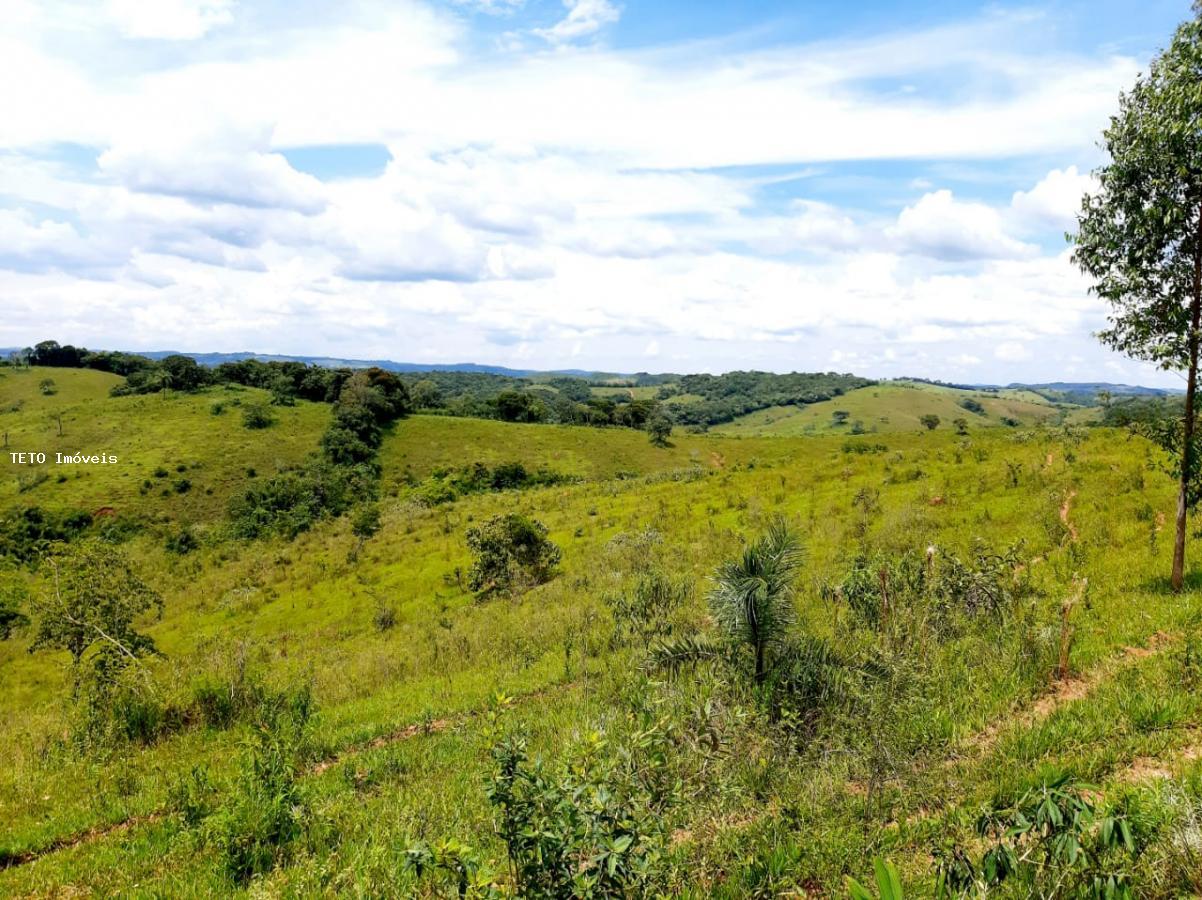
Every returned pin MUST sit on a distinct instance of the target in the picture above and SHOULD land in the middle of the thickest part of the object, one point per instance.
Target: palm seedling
(752, 596)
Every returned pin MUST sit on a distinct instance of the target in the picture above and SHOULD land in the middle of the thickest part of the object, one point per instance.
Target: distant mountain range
(1096, 387)
(216, 359)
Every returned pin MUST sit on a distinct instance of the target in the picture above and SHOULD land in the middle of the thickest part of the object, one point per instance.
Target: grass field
(892, 407)
(758, 806)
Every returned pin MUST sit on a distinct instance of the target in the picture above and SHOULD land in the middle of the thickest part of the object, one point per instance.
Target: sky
(619, 185)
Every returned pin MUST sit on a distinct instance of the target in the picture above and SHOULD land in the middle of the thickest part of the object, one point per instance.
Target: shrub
(182, 542)
(28, 532)
(266, 812)
(1054, 841)
(591, 827)
(645, 613)
(256, 416)
(512, 552)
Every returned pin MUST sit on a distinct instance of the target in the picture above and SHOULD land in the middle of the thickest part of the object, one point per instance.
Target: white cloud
(1056, 199)
(584, 18)
(940, 226)
(173, 20)
(1012, 351)
(540, 202)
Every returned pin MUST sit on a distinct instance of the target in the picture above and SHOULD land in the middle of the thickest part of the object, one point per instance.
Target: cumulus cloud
(567, 204)
(938, 225)
(246, 178)
(1056, 199)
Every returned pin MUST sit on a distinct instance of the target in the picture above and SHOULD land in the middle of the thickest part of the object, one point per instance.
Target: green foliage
(292, 501)
(265, 812)
(752, 596)
(930, 421)
(738, 393)
(973, 406)
(590, 827)
(646, 613)
(659, 428)
(366, 521)
(182, 541)
(256, 416)
(938, 582)
(1054, 841)
(14, 597)
(28, 532)
(512, 553)
(888, 883)
(90, 601)
(446, 486)
(454, 869)
(1140, 235)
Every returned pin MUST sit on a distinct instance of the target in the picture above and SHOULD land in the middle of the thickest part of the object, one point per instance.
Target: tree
(185, 373)
(89, 607)
(961, 425)
(660, 429)
(930, 421)
(364, 525)
(426, 395)
(840, 417)
(1139, 238)
(512, 551)
(752, 597)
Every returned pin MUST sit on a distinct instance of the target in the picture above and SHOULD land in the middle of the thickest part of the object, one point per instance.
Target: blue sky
(871, 187)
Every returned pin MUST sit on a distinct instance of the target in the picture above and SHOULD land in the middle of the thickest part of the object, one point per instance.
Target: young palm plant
(752, 596)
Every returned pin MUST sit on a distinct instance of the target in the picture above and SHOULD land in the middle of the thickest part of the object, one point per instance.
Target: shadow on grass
(1162, 585)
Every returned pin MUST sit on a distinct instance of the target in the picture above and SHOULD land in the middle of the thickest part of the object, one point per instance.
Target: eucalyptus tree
(752, 596)
(1139, 239)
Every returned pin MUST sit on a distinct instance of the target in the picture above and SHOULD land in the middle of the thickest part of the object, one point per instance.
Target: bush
(256, 416)
(266, 812)
(182, 542)
(591, 827)
(512, 553)
(290, 502)
(646, 612)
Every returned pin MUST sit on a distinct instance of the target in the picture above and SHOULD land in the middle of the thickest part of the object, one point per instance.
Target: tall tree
(1139, 238)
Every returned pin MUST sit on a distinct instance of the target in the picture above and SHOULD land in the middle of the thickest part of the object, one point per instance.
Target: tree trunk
(759, 662)
(1191, 384)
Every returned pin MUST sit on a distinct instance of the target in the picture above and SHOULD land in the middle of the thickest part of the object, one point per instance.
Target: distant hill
(216, 359)
(1097, 387)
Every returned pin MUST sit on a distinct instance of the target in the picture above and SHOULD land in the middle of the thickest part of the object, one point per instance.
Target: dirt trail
(100, 832)
(95, 833)
(1067, 691)
(1151, 768)
(1064, 508)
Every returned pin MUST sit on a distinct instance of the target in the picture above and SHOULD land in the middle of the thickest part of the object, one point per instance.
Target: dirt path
(95, 833)
(100, 832)
(1067, 691)
(1064, 508)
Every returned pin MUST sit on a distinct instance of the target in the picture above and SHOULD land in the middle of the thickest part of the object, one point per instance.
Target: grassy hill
(896, 406)
(161, 441)
(927, 715)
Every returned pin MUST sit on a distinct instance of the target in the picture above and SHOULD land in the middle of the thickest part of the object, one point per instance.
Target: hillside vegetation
(974, 617)
(900, 406)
